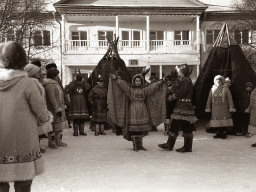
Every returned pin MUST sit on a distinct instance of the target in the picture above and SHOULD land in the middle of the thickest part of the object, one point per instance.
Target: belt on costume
(185, 100)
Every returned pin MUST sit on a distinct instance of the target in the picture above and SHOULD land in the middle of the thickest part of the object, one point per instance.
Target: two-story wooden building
(156, 34)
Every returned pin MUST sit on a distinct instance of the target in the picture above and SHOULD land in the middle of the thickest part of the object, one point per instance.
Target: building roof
(133, 3)
(124, 7)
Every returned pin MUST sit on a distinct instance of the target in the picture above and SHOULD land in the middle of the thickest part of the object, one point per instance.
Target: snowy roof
(134, 3)
(220, 5)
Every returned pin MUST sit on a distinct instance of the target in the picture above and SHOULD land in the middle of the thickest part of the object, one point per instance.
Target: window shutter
(47, 38)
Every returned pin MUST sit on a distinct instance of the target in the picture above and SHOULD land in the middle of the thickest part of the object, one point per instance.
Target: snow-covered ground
(108, 164)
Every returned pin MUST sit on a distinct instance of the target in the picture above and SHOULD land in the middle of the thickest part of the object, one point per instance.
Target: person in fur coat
(56, 105)
(79, 110)
(34, 72)
(138, 118)
(252, 110)
(22, 110)
(220, 104)
(183, 116)
(98, 99)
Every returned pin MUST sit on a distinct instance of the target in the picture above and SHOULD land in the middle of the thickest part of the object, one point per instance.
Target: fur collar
(9, 74)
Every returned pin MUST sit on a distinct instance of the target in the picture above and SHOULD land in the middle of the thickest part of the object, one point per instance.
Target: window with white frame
(79, 38)
(42, 38)
(156, 38)
(102, 37)
(211, 36)
(181, 38)
(125, 39)
(136, 38)
(241, 36)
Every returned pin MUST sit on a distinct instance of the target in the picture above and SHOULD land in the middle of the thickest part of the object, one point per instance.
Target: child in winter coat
(220, 104)
(252, 110)
(98, 98)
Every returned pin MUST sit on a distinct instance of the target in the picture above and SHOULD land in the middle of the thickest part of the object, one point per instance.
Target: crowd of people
(36, 106)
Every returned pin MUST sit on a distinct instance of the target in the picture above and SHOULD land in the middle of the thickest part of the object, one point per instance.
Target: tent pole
(218, 38)
(228, 34)
(222, 35)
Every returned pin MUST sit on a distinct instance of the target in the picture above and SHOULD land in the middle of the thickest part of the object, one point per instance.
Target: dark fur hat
(12, 55)
(37, 63)
(51, 65)
(53, 72)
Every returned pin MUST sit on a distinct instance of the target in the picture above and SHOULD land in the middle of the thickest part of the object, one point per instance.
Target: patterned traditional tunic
(138, 119)
(184, 109)
(252, 110)
(98, 96)
(220, 103)
(77, 91)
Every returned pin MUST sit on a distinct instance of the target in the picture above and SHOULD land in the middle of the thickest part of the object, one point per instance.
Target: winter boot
(188, 141)
(140, 143)
(22, 186)
(51, 140)
(102, 132)
(135, 143)
(254, 145)
(224, 134)
(170, 142)
(218, 135)
(154, 129)
(4, 187)
(81, 129)
(166, 128)
(75, 128)
(58, 139)
(97, 129)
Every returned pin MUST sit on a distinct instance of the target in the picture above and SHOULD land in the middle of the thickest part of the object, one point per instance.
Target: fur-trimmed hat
(183, 70)
(100, 78)
(37, 63)
(53, 72)
(138, 76)
(220, 78)
(31, 69)
(12, 55)
(227, 81)
(51, 65)
(249, 84)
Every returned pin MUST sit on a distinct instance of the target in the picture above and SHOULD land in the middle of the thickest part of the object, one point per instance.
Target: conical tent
(226, 59)
(110, 63)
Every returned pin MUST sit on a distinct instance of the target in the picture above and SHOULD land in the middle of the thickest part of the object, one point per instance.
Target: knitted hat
(53, 72)
(183, 70)
(51, 65)
(31, 69)
(249, 84)
(220, 78)
(12, 55)
(37, 63)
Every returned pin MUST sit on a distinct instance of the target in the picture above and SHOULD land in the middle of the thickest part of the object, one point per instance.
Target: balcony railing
(129, 45)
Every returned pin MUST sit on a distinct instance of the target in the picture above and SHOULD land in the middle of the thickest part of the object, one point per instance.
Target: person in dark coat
(78, 109)
(172, 85)
(183, 116)
(241, 118)
(98, 98)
